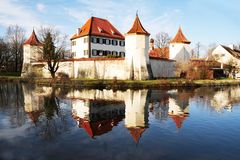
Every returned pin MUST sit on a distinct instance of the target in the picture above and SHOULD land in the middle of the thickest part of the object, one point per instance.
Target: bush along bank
(121, 84)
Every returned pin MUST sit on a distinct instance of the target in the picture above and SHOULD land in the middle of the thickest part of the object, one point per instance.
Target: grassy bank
(121, 84)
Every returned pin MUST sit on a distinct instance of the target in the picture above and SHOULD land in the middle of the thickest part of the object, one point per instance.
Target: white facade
(176, 50)
(137, 58)
(80, 45)
(136, 111)
(224, 57)
(88, 46)
(31, 54)
(175, 109)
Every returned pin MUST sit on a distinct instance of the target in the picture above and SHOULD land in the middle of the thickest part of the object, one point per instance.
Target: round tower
(31, 53)
(180, 47)
(137, 47)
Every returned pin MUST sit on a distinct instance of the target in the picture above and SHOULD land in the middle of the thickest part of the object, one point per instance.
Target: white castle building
(180, 47)
(100, 51)
(97, 38)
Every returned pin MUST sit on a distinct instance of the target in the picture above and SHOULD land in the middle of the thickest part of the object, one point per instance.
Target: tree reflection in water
(54, 121)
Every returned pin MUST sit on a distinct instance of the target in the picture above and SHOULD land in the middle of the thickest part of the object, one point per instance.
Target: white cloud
(122, 17)
(12, 13)
(168, 22)
(40, 7)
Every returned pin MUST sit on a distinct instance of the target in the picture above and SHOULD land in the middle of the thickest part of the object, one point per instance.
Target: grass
(119, 84)
(12, 74)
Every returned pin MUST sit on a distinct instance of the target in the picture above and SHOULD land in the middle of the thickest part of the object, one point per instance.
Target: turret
(137, 47)
(136, 112)
(180, 47)
(31, 53)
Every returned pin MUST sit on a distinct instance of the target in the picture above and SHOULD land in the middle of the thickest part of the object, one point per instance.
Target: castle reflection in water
(99, 111)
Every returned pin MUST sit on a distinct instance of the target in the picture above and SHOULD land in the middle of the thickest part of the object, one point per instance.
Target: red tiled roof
(33, 40)
(136, 133)
(137, 28)
(180, 38)
(178, 119)
(98, 27)
(159, 53)
(34, 115)
(99, 127)
(235, 53)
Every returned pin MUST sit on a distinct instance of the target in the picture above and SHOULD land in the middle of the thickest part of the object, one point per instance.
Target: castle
(100, 51)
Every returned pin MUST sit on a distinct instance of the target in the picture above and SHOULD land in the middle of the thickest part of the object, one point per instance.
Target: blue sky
(205, 21)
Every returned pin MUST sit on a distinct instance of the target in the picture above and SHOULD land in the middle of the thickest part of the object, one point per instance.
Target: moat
(58, 123)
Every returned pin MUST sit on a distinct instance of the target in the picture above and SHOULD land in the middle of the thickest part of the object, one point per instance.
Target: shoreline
(121, 84)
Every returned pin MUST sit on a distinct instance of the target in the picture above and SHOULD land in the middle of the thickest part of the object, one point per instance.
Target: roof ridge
(33, 40)
(137, 27)
(180, 37)
(91, 28)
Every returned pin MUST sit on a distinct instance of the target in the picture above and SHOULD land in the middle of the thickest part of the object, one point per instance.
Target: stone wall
(162, 68)
(100, 69)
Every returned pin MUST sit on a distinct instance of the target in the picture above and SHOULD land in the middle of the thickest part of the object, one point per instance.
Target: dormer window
(112, 32)
(100, 29)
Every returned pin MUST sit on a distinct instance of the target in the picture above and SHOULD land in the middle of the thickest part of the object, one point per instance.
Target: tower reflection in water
(99, 111)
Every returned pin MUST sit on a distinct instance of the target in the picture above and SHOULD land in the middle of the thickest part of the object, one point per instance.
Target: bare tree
(210, 49)
(54, 48)
(162, 40)
(4, 54)
(197, 50)
(15, 38)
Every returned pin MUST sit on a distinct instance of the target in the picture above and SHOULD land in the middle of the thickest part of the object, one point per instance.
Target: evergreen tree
(52, 53)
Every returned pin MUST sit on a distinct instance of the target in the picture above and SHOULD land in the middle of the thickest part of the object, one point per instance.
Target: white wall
(162, 68)
(175, 48)
(136, 110)
(137, 58)
(105, 47)
(100, 69)
(80, 47)
(224, 56)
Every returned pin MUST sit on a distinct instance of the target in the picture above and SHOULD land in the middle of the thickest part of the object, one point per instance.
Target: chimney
(231, 46)
(78, 31)
(151, 44)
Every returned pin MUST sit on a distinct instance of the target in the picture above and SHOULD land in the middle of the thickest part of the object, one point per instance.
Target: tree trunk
(53, 74)
(16, 63)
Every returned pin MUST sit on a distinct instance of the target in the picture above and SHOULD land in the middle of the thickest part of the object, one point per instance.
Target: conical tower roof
(33, 40)
(136, 133)
(137, 27)
(178, 119)
(180, 38)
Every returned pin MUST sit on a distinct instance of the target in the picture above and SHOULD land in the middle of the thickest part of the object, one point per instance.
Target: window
(121, 43)
(100, 41)
(104, 41)
(73, 54)
(107, 41)
(100, 53)
(94, 52)
(114, 53)
(114, 42)
(74, 43)
(122, 54)
(94, 40)
(86, 40)
(85, 52)
(109, 53)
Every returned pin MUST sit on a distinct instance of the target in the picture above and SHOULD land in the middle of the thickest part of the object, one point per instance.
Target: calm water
(52, 123)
